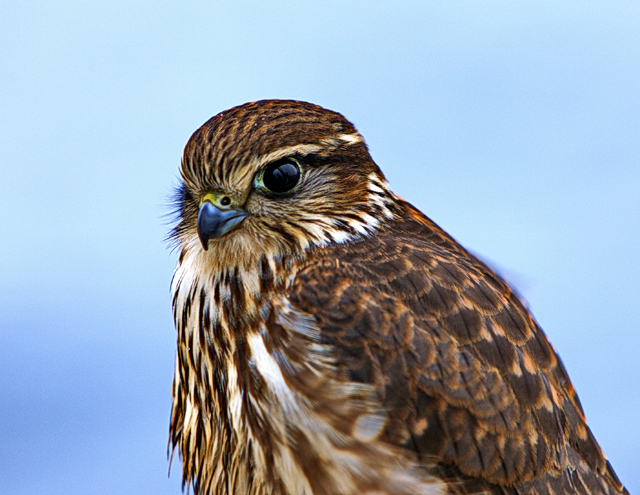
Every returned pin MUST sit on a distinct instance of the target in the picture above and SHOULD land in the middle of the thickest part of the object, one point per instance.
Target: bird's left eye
(281, 176)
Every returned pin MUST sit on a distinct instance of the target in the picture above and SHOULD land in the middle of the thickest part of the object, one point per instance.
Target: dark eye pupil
(281, 176)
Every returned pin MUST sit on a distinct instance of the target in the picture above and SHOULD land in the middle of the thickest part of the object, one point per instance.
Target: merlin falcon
(333, 340)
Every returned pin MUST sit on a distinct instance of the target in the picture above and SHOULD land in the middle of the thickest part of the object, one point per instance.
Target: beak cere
(214, 222)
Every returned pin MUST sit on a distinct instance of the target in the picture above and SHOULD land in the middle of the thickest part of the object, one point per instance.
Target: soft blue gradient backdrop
(514, 125)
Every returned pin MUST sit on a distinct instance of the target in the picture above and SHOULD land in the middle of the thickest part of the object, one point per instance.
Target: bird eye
(281, 176)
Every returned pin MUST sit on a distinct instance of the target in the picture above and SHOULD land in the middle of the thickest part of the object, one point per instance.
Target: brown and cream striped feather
(338, 342)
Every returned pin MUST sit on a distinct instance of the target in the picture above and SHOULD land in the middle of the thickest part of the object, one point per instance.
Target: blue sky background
(514, 125)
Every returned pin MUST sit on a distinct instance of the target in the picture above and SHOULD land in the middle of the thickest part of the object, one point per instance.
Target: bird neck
(216, 314)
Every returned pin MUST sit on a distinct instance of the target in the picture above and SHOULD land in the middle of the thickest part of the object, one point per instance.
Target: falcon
(333, 340)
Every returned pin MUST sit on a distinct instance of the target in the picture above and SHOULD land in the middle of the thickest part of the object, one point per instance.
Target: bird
(333, 340)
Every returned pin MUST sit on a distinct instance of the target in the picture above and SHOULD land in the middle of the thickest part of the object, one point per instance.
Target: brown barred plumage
(334, 340)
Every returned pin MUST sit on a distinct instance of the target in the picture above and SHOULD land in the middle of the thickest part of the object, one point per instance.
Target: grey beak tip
(204, 241)
(214, 222)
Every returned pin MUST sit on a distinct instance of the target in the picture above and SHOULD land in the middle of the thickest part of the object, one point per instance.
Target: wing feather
(466, 375)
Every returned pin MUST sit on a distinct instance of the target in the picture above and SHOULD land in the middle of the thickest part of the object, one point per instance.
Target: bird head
(276, 177)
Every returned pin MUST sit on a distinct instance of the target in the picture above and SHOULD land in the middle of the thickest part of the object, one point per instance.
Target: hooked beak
(214, 222)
